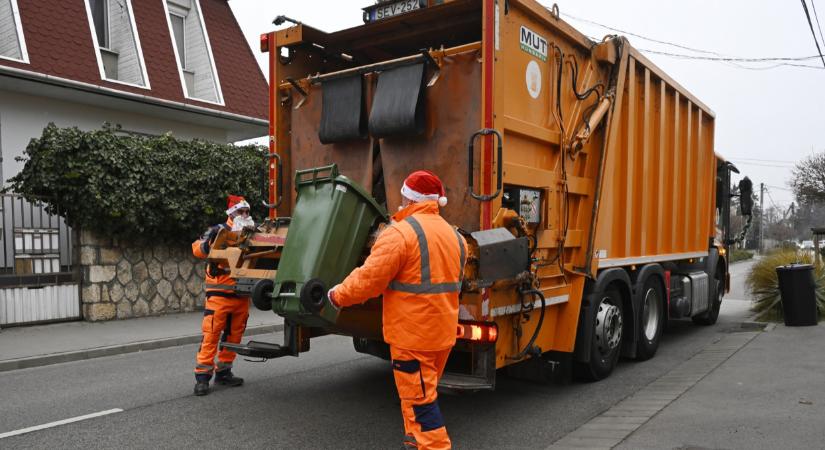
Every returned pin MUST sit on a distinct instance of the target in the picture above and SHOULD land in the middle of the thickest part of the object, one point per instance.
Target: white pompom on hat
(422, 186)
(234, 203)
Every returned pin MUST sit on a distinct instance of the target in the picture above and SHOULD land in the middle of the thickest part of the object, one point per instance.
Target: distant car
(807, 245)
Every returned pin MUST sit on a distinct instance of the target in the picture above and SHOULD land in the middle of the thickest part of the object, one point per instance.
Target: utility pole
(761, 217)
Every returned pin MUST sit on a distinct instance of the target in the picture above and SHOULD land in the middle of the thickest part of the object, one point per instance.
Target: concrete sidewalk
(23, 347)
(769, 394)
(751, 389)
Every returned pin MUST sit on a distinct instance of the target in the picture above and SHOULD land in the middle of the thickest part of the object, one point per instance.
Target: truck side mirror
(745, 197)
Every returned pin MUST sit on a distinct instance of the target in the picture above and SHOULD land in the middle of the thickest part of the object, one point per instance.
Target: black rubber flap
(342, 117)
(398, 106)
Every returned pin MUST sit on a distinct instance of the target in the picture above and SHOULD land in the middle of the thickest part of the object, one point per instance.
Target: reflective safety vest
(217, 281)
(417, 264)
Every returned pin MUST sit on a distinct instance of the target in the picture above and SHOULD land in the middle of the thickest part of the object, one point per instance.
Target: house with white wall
(151, 66)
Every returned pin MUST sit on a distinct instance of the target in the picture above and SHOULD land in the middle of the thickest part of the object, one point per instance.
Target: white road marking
(58, 423)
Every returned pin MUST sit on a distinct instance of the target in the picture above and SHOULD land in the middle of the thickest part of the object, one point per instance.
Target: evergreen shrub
(137, 187)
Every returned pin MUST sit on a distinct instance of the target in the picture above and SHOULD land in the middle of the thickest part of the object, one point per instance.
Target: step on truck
(582, 176)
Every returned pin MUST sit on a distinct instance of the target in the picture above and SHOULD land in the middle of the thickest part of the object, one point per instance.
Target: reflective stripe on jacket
(417, 264)
(217, 279)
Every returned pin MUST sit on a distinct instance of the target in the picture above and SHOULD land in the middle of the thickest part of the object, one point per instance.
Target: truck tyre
(652, 320)
(710, 316)
(606, 344)
(260, 294)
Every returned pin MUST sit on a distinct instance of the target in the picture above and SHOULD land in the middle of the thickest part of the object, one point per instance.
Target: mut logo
(533, 43)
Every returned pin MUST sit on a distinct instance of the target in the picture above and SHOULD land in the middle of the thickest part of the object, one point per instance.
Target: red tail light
(264, 43)
(483, 332)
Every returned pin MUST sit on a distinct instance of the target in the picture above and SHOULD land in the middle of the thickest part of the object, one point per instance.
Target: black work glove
(209, 237)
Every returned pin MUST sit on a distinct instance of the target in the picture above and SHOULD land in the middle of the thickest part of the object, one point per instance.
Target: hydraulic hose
(529, 348)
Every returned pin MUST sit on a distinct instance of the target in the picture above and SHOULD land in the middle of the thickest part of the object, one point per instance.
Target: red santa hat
(423, 185)
(234, 203)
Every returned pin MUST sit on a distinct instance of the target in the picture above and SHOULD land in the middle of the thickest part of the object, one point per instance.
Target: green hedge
(739, 254)
(135, 187)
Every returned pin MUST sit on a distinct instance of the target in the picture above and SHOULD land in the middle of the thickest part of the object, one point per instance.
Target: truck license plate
(393, 9)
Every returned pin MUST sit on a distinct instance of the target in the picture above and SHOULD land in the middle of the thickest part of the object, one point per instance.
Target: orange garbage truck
(582, 177)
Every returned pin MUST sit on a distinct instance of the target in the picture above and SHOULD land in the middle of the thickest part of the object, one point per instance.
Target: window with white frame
(190, 41)
(178, 32)
(12, 41)
(118, 45)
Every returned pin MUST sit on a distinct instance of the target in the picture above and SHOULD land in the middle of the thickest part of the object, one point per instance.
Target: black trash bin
(798, 290)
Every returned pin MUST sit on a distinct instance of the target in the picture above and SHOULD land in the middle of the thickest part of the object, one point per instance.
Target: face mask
(241, 222)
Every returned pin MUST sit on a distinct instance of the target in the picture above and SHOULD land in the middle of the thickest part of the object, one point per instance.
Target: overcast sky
(765, 119)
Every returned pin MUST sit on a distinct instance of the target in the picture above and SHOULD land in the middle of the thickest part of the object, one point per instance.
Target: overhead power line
(730, 59)
(684, 47)
(813, 5)
(808, 16)
(718, 57)
(772, 165)
(768, 191)
(726, 58)
(761, 160)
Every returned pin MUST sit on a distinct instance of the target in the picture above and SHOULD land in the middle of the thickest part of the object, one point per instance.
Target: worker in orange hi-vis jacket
(225, 312)
(417, 264)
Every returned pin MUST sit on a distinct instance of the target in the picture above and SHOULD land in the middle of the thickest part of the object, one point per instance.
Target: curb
(132, 347)
(757, 326)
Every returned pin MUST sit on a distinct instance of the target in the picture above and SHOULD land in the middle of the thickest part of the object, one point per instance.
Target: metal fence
(38, 281)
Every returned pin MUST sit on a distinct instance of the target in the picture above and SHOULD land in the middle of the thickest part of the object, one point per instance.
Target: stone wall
(121, 281)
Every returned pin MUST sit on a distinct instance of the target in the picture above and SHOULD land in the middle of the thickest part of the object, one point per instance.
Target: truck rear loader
(582, 176)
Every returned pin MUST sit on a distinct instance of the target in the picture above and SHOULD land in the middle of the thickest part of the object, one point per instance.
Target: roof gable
(60, 44)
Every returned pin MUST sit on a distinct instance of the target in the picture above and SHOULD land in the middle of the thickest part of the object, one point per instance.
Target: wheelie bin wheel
(313, 295)
(260, 294)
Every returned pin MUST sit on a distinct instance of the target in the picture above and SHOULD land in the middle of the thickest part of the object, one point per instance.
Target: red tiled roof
(60, 43)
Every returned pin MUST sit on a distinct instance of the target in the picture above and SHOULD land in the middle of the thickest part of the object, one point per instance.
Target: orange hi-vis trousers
(416, 377)
(221, 316)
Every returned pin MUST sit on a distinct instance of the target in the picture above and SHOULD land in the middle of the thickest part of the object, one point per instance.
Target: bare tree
(808, 180)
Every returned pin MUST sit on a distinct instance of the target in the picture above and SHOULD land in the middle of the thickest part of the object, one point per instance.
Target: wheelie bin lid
(794, 266)
(330, 173)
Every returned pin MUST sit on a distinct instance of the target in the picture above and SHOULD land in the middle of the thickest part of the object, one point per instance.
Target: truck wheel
(606, 344)
(710, 316)
(652, 321)
(260, 294)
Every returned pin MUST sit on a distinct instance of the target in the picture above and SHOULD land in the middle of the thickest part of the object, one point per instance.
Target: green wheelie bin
(331, 222)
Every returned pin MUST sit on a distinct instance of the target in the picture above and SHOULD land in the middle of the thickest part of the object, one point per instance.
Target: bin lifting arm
(591, 123)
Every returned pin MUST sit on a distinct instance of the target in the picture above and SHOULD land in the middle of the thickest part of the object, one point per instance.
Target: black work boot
(202, 384)
(226, 378)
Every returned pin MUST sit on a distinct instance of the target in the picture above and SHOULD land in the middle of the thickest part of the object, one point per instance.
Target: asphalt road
(330, 397)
